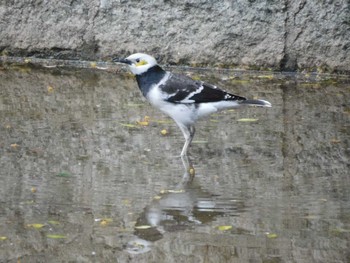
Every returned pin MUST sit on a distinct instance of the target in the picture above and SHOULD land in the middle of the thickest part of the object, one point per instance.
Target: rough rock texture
(286, 35)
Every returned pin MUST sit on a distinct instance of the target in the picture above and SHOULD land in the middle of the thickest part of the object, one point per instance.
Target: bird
(182, 98)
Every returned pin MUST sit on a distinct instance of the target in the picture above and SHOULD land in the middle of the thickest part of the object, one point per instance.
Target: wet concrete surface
(85, 177)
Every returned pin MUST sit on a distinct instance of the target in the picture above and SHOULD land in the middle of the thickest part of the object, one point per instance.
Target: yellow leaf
(265, 76)
(50, 89)
(93, 64)
(224, 228)
(143, 227)
(142, 123)
(106, 221)
(271, 235)
(192, 171)
(196, 77)
(157, 197)
(36, 226)
(54, 236)
(176, 191)
(27, 60)
(103, 223)
(128, 125)
(33, 190)
(14, 146)
(247, 120)
(164, 132)
(3, 238)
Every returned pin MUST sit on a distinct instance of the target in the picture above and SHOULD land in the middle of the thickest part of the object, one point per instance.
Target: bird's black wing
(183, 89)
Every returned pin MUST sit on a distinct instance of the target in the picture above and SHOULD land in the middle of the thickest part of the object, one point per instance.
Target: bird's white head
(138, 63)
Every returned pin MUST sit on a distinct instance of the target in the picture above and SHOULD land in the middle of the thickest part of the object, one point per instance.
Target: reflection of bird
(184, 206)
(182, 98)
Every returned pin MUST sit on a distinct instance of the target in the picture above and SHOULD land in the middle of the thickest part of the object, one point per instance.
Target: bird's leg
(188, 132)
(192, 132)
(189, 169)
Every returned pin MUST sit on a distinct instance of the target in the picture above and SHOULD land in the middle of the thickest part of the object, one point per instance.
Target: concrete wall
(278, 34)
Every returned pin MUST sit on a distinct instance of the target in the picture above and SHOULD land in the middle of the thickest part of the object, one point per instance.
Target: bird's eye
(137, 60)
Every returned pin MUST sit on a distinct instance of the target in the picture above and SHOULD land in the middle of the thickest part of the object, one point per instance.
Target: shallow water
(82, 181)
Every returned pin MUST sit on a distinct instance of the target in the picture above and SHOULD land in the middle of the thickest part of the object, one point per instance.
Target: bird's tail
(258, 103)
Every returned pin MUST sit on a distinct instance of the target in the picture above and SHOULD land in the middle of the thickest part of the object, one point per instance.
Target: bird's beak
(122, 60)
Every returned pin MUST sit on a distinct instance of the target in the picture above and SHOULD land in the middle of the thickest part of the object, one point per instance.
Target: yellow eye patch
(141, 63)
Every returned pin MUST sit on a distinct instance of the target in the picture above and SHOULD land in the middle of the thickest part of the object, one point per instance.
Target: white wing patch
(191, 94)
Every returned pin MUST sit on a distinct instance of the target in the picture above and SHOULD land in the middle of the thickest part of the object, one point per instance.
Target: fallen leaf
(33, 190)
(164, 132)
(196, 77)
(128, 125)
(103, 223)
(142, 123)
(36, 226)
(176, 191)
(14, 145)
(271, 235)
(3, 238)
(224, 228)
(50, 89)
(265, 77)
(93, 64)
(247, 120)
(192, 171)
(106, 221)
(143, 227)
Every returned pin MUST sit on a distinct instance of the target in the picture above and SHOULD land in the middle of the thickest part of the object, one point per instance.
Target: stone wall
(255, 34)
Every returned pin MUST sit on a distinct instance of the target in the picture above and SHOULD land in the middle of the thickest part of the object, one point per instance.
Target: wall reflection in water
(80, 180)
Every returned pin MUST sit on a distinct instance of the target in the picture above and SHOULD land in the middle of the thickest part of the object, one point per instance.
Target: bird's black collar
(152, 76)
